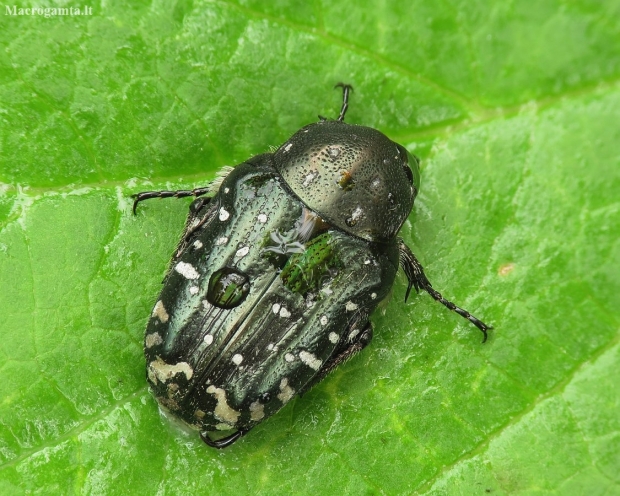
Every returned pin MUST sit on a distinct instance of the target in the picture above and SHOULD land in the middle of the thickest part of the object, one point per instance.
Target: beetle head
(354, 177)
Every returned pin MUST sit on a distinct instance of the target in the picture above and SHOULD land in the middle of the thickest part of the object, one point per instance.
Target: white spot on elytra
(324, 320)
(310, 360)
(162, 371)
(208, 339)
(257, 411)
(221, 241)
(237, 359)
(271, 347)
(286, 391)
(194, 290)
(275, 308)
(159, 311)
(152, 339)
(350, 306)
(224, 214)
(366, 262)
(289, 357)
(197, 244)
(288, 147)
(242, 252)
(226, 190)
(373, 296)
(353, 333)
(262, 218)
(333, 337)
(284, 313)
(186, 270)
(222, 410)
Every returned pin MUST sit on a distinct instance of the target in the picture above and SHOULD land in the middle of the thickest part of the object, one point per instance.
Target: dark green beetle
(277, 272)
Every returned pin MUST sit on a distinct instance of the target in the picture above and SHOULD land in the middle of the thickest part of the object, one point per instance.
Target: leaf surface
(513, 109)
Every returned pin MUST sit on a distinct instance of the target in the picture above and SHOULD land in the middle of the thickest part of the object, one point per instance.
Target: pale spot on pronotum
(237, 359)
(208, 339)
(224, 214)
(242, 252)
(311, 176)
(333, 337)
(350, 306)
(310, 360)
(152, 339)
(262, 218)
(257, 411)
(187, 270)
(284, 313)
(194, 290)
(324, 320)
(221, 241)
(286, 391)
(222, 410)
(162, 371)
(356, 214)
(159, 311)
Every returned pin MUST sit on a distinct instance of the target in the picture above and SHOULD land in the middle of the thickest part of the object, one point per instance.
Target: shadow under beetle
(281, 263)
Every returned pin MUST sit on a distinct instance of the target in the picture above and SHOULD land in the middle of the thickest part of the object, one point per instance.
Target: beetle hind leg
(418, 280)
(180, 193)
(223, 442)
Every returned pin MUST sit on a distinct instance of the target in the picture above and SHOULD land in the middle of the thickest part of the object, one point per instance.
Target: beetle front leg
(418, 280)
(181, 193)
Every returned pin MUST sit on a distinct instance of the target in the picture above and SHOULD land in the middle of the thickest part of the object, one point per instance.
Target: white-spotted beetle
(281, 263)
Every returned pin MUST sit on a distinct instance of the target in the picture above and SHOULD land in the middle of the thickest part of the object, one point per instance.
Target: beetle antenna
(346, 89)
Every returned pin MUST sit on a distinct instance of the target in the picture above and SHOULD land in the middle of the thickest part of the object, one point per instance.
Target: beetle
(281, 263)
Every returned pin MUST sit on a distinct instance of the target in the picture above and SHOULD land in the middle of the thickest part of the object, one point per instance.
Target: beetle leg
(418, 280)
(224, 442)
(194, 223)
(346, 89)
(181, 193)
(358, 344)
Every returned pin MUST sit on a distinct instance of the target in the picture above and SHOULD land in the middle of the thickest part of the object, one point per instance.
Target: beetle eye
(413, 170)
(406, 157)
(408, 173)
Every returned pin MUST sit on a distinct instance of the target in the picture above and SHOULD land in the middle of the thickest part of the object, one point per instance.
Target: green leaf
(512, 107)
